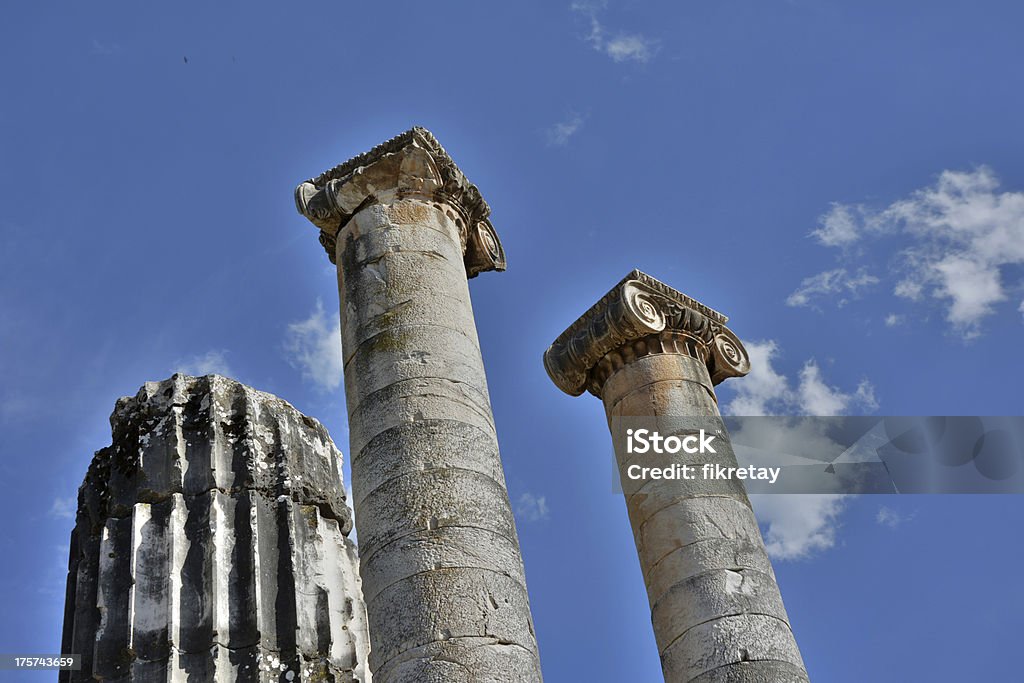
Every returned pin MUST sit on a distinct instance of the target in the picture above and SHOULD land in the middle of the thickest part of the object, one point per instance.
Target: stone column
(652, 353)
(442, 572)
(211, 544)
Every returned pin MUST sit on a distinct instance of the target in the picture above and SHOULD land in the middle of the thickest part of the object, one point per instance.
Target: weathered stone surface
(729, 640)
(712, 595)
(433, 606)
(421, 403)
(463, 660)
(430, 350)
(682, 383)
(766, 671)
(704, 555)
(651, 352)
(689, 520)
(211, 544)
(441, 566)
(434, 499)
(442, 548)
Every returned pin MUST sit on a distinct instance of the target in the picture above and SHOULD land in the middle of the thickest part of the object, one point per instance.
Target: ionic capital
(411, 165)
(642, 316)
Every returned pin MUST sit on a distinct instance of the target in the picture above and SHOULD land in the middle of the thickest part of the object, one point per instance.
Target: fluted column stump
(442, 572)
(211, 544)
(652, 353)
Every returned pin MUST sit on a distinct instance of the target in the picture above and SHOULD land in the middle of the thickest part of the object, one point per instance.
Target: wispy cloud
(104, 49)
(839, 226)
(765, 391)
(313, 346)
(558, 135)
(63, 508)
(838, 281)
(891, 518)
(16, 406)
(620, 46)
(51, 581)
(212, 362)
(626, 48)
(958, 242)
(797, 526)
(894, 320)
(532, 508)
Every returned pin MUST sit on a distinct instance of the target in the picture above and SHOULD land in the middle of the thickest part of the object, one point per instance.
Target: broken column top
(640, 316)
(190, 435)
(412, 164)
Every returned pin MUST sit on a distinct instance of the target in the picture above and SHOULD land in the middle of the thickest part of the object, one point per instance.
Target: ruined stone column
(442, 572)
(211, 544)
(652, 353)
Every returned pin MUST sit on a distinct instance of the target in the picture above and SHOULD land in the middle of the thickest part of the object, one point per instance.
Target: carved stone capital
(412, 164)
(638, 317)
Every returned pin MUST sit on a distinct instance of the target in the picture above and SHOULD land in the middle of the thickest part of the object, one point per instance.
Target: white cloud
(894, 320)
(888, 517)
(831, 282)
(818, 398)
(764, 390)
(798, 525)
(632, 47)
(960, 239)
(908, 289)
(313, 346)
(838, 227)
(973, 287)
(209, 363)
(767, 392)
(64, 508)
(558, 135)
(532, 508)
(621, 47)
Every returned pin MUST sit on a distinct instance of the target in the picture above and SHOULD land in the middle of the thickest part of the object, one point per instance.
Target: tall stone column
(442, 572)
(211, 544)
(652, 353)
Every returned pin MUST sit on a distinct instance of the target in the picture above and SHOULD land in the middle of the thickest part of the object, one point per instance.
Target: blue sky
(845, 180)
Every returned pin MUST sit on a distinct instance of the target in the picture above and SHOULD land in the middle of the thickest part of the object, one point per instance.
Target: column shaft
(440, 556)
(654, 355)
(441, 566)
(715, 607)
